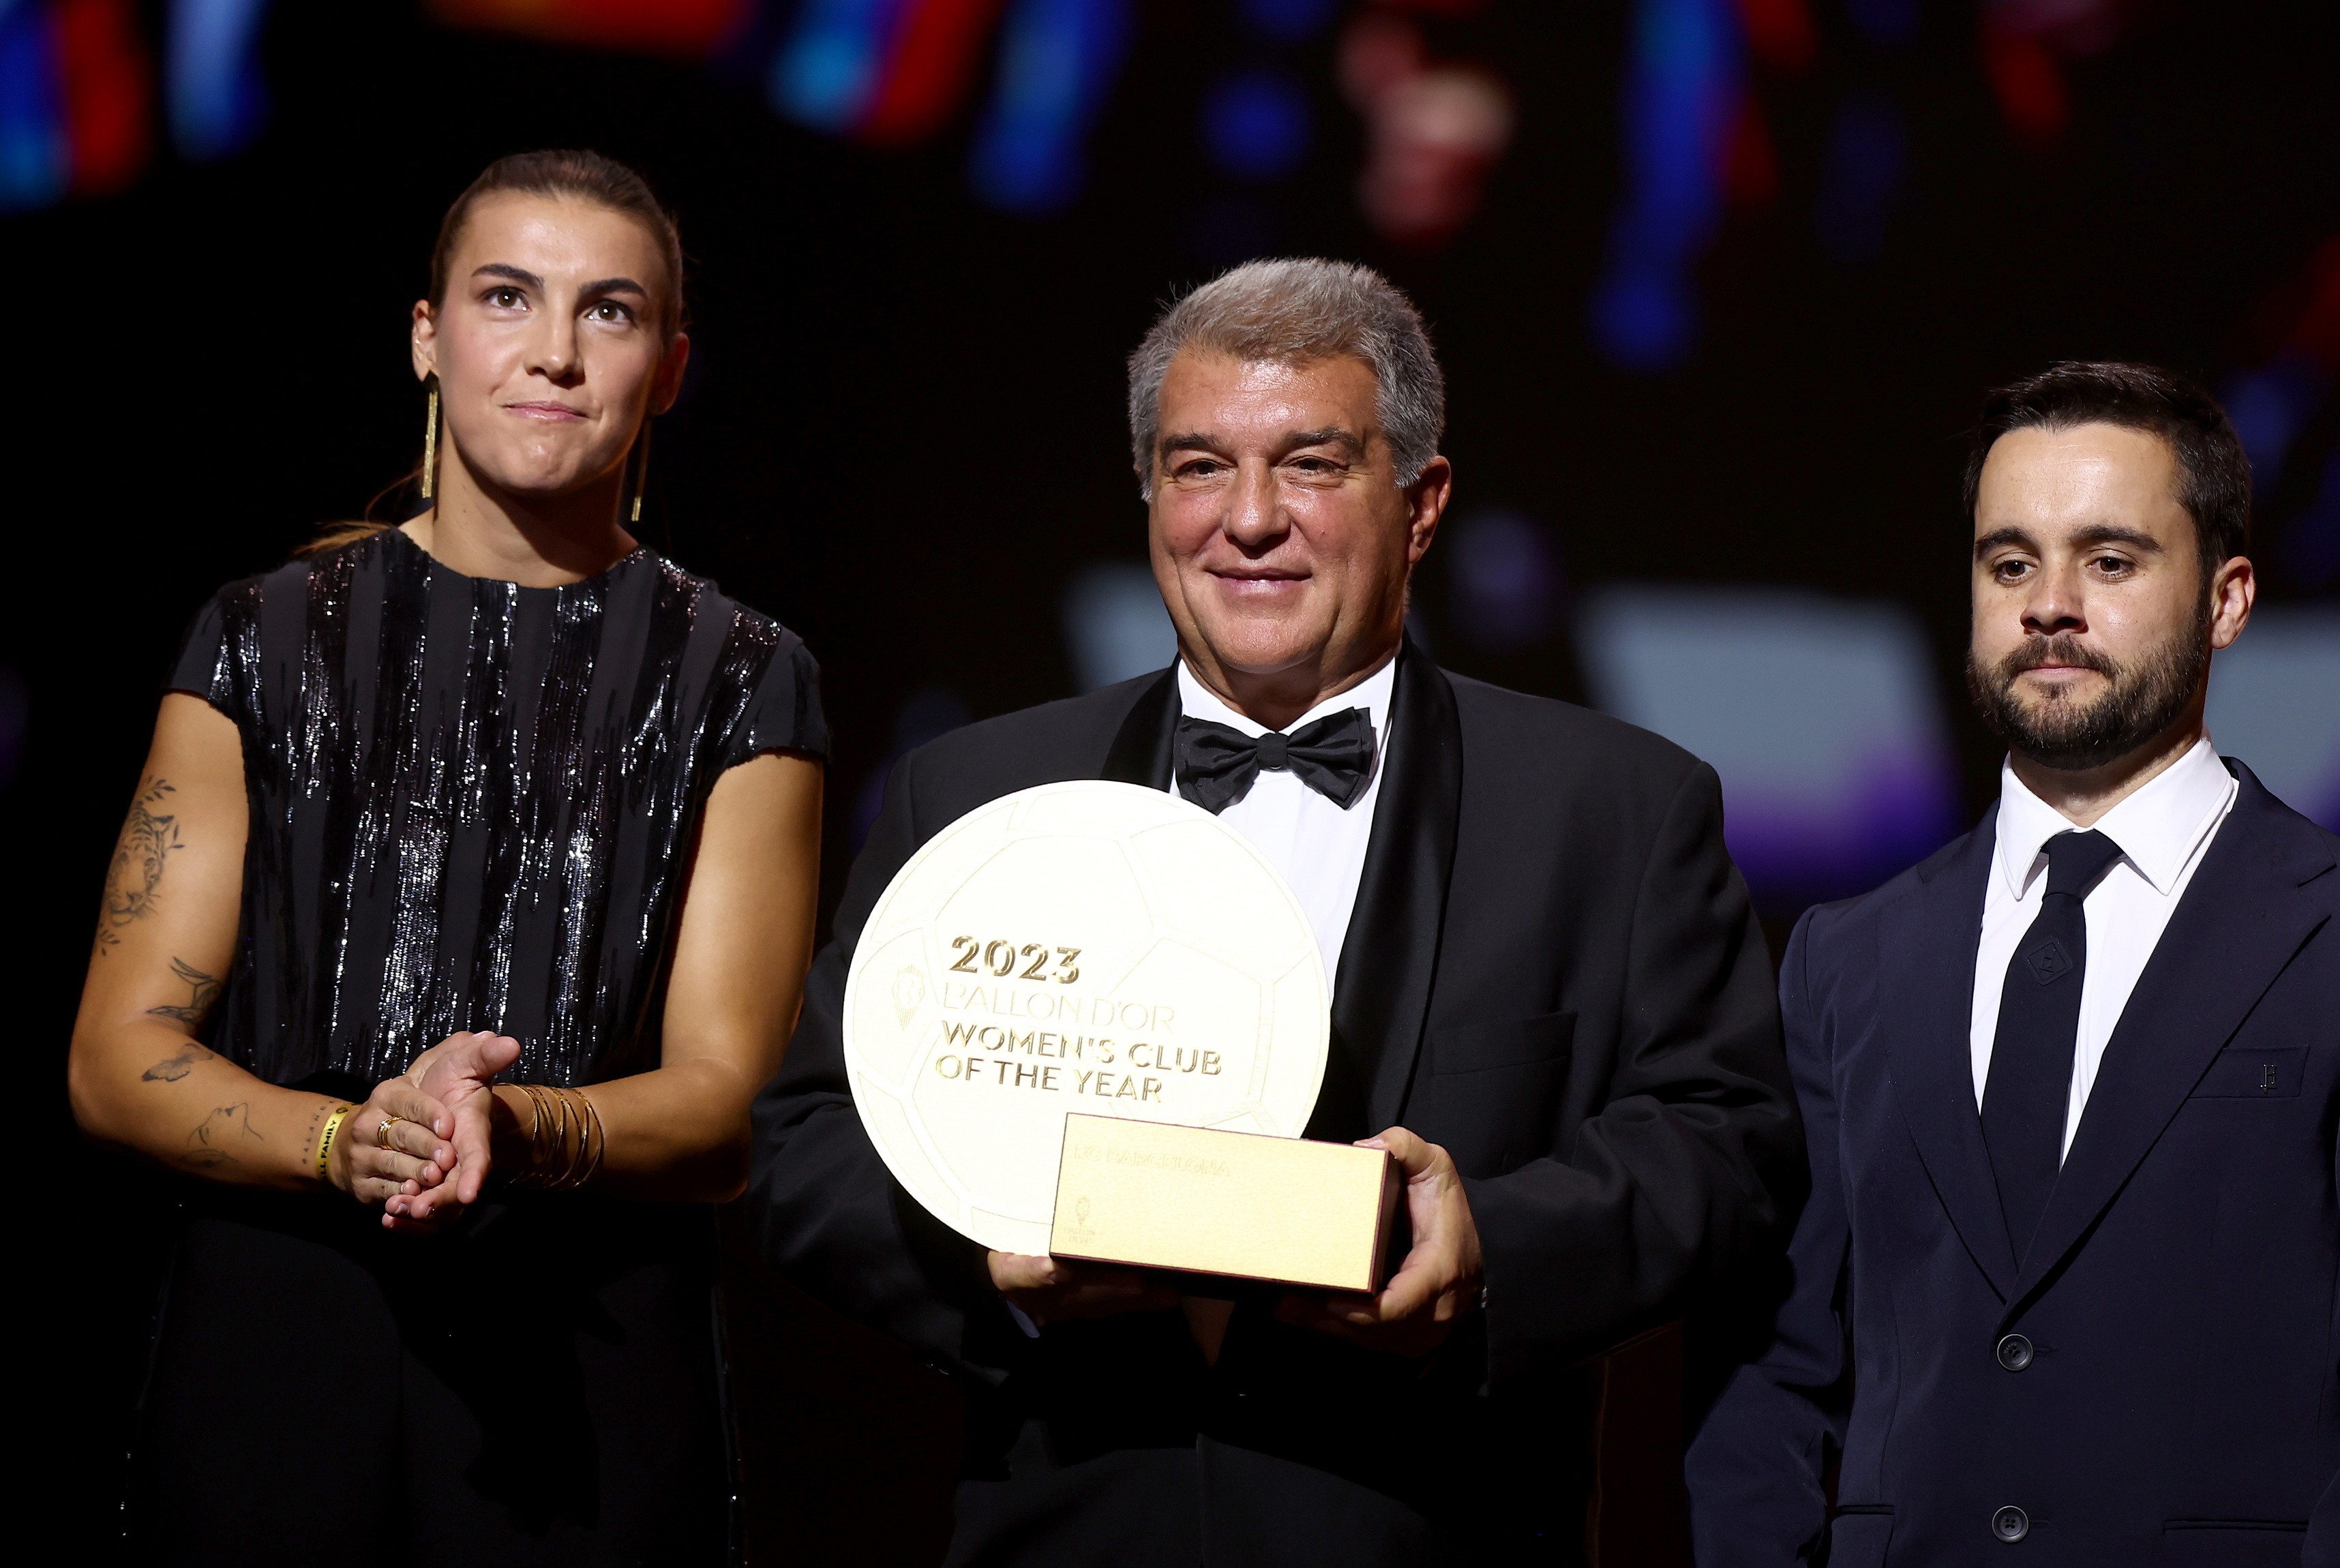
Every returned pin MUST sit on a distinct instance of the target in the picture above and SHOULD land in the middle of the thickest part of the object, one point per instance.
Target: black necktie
(1218, 763)
(2029, 1092)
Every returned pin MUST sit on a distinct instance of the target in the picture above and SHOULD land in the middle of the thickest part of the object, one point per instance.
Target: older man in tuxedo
(1551, 1003)
(2067, 1290)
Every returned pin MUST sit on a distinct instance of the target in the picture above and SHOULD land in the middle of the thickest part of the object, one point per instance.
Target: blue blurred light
(2312, 545)
(1868, 156)
(1893, 22)
(1504, 570)
(2267, 407)
(35, 159)
(2275, 703)
(1115, 626)
(827, 72)
(1057, 60)
(1682, 79)
(217, 96)
(1820, 715)
(1289, 21)
(1255, 125)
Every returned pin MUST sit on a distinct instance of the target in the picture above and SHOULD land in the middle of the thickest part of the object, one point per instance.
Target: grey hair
(1292, 312)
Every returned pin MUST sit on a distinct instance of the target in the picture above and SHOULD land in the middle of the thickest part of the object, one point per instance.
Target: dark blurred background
(1716, 284)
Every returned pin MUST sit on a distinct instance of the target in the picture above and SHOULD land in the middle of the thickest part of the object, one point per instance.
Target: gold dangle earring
(641, 471)
(431, 442)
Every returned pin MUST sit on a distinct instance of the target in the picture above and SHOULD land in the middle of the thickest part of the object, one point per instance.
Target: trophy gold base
(1241, 1206)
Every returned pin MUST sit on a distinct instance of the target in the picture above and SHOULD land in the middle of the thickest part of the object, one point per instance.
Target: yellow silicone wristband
(326, 1139)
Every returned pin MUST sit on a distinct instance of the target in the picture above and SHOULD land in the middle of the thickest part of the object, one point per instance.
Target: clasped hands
(1437, 1282)
(431, 1160)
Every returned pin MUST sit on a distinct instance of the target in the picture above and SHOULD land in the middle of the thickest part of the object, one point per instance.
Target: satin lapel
(1140, 753)
(1382, 991)
(2242, 920)
(1926, 963)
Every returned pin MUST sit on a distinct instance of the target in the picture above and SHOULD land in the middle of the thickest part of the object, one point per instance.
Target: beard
(2142, 698)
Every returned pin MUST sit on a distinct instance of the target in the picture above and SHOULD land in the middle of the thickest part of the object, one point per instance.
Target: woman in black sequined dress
(464, 904)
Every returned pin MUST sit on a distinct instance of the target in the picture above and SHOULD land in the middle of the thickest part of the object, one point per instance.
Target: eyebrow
(2096, 533)
(522, 275)
(1333, 435)
(517, 274)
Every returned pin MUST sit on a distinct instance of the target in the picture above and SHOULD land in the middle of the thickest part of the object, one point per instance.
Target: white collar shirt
(2163, 830)
(1319, 847)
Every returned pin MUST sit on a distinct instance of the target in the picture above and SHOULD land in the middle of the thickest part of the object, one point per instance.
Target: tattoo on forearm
(147, 842)
(202, 988)
(228, 1127)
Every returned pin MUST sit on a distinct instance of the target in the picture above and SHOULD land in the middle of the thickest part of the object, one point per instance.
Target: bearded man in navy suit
(2064, 1292)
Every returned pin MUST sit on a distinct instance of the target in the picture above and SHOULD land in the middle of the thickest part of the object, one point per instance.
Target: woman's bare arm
(680, 1131)
(139, 1078)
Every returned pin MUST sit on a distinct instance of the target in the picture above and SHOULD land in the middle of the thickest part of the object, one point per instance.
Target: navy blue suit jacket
(2180, 1402)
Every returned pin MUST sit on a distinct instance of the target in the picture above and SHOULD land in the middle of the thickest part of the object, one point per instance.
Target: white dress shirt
(2163, 831)
(1319, 847)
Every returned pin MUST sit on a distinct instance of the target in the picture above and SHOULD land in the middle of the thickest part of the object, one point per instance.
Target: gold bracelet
(326, 1139)
(565, 1139)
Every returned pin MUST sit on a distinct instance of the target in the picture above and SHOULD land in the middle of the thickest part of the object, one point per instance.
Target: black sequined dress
(471, 808)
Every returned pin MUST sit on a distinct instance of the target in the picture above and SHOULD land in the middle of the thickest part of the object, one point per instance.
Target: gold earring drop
(641, 472)
(431, 443)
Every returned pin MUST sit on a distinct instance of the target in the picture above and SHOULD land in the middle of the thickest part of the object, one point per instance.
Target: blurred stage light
(2267, 406)
(1288, 21)
(679, 29)
(35, 157)
(2275, 703)
(2311, 545)
(1115, 626)
(887, 70)
(1255, 124)
(1681, 90)
(1435, 129)
(76, 100)
(1867, 154)
(1819, 714)
(930, 68)
(826, 76)
(109, 92)
(1057, 61)
(1891, 23)
(1504, 569)
(1779, 32)
(217, 97)
(2021, 43)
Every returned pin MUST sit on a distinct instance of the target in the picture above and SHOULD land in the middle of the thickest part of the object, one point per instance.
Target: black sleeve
(828, 1215)
(1755, 1469)
(206, 666)
(1694, 1162)
(783, 713)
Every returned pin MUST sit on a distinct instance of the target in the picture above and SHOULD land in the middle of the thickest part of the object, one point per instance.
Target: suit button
(2010, 1525)
(2014, 1353)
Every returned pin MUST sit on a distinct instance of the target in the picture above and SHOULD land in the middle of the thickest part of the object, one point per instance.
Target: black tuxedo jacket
(2172, 1398)
(1551, 970)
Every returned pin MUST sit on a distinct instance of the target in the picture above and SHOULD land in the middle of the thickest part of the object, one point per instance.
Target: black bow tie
(1218, 763)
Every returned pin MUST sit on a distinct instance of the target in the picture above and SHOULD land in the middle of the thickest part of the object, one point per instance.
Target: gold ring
(382, 1132)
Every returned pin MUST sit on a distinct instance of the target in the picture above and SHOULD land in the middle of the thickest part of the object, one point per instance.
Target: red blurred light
(684, 29)
(2032, 97)
(936, 46)
(109, 91)
(1779, 32)
(1751, 163)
